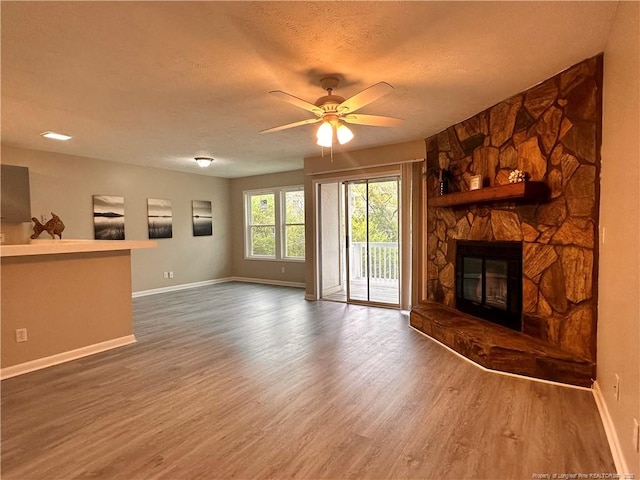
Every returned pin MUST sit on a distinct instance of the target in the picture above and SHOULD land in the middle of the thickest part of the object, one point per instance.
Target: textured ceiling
(158, 83)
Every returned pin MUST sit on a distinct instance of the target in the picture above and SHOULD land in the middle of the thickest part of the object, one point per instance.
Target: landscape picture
(159, 218)
(202, 221)
(108, 217)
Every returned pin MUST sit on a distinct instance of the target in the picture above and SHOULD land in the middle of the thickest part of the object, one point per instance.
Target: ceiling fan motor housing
(329, 103)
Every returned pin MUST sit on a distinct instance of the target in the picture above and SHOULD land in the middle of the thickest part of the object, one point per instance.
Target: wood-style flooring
(249, 381)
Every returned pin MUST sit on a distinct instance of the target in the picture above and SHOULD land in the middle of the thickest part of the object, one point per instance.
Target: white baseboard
(58, 358)
(183, 286)
(269, 282)
(610, 430)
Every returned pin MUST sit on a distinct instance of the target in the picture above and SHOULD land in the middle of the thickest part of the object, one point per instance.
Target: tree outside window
(294, 224)
(262, 225)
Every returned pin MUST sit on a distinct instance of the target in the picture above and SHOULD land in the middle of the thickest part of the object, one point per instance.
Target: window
(262, 225)
(274, 222)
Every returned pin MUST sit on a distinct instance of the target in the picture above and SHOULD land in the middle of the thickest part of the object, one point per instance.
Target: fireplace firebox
(489, 281)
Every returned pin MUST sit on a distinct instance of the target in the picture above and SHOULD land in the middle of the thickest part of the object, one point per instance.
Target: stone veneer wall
(551, 131)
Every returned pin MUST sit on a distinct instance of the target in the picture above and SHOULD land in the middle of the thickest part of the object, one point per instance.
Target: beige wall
(270, 270)
(65, 302)
(367, 157)
(619, 275)
(65, 184)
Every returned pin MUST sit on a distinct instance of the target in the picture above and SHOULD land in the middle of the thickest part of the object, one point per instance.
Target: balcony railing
(382, 256)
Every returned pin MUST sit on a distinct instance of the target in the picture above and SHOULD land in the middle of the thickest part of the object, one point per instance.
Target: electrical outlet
(21, 335)
(282, 269)
(616, 388)
(636, 435)
(165, 274)
(170, 274)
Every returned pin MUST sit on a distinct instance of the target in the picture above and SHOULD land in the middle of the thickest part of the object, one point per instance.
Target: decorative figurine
(53, 227)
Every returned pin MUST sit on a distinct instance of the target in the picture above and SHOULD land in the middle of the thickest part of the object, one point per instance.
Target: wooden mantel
(523, 191)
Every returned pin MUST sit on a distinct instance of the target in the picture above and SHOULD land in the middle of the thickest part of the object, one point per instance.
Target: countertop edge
(54, 247)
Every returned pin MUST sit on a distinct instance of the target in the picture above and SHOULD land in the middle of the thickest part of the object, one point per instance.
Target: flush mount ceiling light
(203, 162)
(55, 136)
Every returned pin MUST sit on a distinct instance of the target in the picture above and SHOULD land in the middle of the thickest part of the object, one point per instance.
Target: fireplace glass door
(496, 283)
(489, 281)
(472, 279)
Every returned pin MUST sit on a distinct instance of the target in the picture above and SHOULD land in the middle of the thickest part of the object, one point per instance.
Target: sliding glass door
(373, 259)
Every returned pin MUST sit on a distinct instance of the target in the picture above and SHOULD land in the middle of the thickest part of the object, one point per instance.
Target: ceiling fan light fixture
(344, 134)
(325, 134)
(203, 162)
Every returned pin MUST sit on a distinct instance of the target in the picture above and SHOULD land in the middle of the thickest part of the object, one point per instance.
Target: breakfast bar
(73, 297)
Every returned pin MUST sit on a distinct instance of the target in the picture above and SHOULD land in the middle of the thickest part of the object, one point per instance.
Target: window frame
(279, 197)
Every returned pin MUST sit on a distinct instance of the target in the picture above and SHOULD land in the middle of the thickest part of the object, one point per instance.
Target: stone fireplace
(551, 131)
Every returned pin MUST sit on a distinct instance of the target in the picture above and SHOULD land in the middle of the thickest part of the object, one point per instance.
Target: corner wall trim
(63, 357)
(610, 430)
(183, 286)
(268, 282)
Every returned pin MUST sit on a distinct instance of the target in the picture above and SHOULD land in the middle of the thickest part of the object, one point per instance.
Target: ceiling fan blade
(298, 102)
(291, 125)
(372, 120)
(365, 97)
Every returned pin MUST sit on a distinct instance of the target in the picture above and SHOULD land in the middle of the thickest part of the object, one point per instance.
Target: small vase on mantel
(443, 180)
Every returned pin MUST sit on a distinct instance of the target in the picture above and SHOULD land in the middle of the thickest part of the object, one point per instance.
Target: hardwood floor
(248, 381)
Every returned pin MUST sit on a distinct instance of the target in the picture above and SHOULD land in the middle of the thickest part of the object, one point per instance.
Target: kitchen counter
(67, 298)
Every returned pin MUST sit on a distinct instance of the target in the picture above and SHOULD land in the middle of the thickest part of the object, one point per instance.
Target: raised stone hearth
(552, 132)
(499, 348)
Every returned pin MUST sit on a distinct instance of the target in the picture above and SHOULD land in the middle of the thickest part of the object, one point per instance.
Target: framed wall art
(159, 218)
(108, 217)
(202, 218)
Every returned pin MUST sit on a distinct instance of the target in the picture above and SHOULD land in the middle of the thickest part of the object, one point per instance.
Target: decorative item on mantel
(517, 176)
(53, 227)
(443, 178)
(444, 182)
(475, 183)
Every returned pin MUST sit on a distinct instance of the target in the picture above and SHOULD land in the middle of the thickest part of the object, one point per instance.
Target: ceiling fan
(332, 110)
